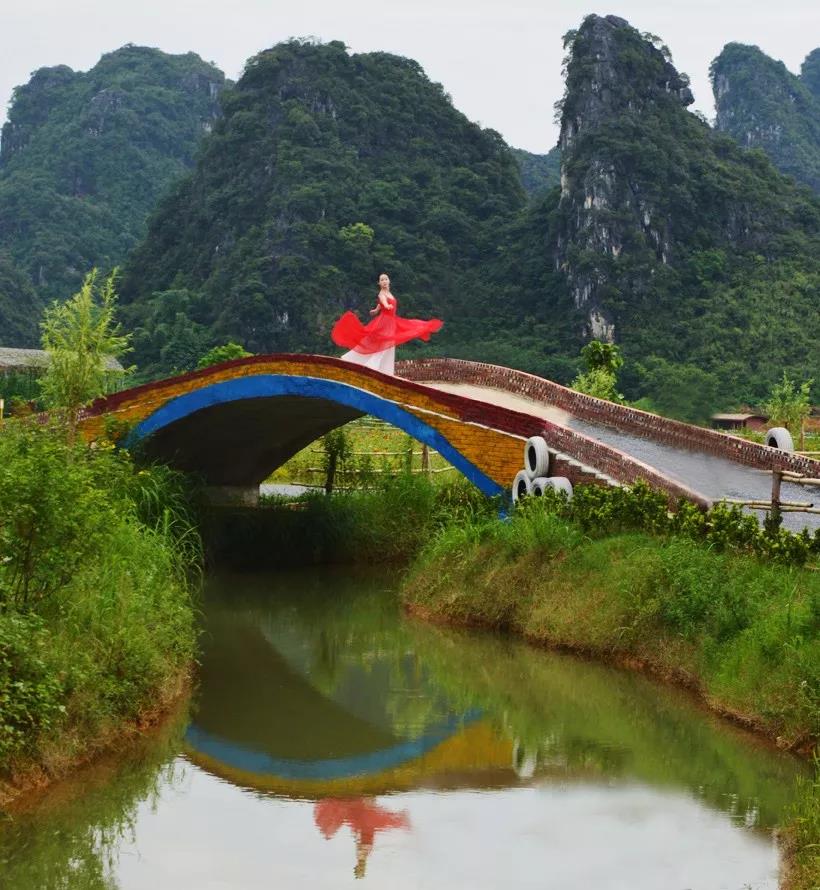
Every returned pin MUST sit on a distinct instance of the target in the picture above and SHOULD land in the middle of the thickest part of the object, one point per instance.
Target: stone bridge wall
(622, 417)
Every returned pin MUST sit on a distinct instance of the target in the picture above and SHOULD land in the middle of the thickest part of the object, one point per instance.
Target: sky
(500, 60)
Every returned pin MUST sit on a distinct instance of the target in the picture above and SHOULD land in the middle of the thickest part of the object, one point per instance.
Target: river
(332, 740)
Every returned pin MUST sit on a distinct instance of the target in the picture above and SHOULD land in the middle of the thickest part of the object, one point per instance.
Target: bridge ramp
(713, 476)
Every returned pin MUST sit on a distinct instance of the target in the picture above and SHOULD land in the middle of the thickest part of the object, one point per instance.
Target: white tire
(536, 457)
(779, 437)
(522, 486)
(561, 484)
(540, 485)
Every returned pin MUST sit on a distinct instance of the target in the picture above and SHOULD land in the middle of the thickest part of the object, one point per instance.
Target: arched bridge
(236, 422)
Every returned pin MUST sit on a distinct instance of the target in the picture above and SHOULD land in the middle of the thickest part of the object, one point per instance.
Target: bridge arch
(235, 432)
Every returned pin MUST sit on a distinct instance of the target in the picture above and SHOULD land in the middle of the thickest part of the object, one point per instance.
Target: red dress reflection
(365, 818)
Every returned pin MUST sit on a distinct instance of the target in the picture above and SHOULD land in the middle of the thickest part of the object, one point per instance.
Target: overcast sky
(500, 60)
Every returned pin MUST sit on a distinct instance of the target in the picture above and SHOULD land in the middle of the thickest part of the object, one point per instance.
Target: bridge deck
(712, 476)
(234, 423)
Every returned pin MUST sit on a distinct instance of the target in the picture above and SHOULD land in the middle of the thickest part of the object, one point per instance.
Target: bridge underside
(241, 443)
(234, 424)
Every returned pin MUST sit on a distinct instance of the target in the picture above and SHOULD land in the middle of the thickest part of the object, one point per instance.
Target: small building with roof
(20, 369)
(740, 421)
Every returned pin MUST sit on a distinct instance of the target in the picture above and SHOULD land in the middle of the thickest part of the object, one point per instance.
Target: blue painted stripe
(370, 764)
(270, 385)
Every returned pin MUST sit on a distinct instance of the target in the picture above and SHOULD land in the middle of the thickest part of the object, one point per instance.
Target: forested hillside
(693, 253)
(539, 173)
(763, 105)
(325, 170)
(83, 159)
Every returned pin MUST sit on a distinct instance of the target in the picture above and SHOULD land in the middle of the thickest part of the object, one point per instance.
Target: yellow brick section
(476, 749)
(499, 455)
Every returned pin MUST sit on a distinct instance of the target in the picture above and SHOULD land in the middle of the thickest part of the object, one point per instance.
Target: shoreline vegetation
(712, 603)
(97, 580)
(613, 577)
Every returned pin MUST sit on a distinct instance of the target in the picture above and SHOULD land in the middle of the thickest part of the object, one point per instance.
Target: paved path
(714, 477)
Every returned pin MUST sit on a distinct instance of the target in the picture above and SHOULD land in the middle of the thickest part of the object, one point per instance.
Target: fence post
(425, 459)
(777, 479)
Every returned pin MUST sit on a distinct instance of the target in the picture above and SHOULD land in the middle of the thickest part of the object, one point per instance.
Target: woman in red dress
(374, 345)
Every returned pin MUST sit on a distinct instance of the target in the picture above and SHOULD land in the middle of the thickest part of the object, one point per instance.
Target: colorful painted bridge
(236, 422)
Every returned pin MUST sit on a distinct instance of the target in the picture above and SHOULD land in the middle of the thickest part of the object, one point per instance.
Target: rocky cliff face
(671, 238)
(84, 156)
(617, 82)
(763, 105)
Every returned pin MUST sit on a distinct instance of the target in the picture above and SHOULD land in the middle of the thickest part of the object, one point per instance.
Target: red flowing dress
(374, 344)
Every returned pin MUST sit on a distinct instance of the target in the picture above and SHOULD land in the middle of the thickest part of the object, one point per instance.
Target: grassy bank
(97, 631)
(695, 606)
(742, 632)
(70, 835)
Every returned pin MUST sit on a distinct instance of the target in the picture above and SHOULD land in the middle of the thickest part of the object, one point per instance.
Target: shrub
(96, 618)
(605, 511)
(30, 694)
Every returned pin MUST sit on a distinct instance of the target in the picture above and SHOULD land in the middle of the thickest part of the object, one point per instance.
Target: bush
(96, 619)
(30, 693)
(605, 511)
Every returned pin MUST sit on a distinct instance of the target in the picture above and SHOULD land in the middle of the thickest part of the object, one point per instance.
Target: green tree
(683, 391)
(599, 383)
(606, 356)
(82, 339)
(601, 377)
(336, 451)
(224, 353)
(357, 235)
(789, 405)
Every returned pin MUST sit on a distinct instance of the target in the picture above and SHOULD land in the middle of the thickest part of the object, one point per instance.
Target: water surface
(333, 741)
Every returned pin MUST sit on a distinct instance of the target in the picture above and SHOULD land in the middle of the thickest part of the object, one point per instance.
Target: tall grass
(96, 617)
(802, 837)
(389, 523)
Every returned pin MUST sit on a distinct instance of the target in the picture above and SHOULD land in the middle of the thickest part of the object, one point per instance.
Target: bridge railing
(621, 417)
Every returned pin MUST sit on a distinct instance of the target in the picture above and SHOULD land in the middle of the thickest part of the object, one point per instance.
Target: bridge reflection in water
(312, 688)
(287, 710)
(332, 736)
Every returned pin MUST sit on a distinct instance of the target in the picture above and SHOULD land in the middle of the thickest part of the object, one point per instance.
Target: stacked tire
(534, 480)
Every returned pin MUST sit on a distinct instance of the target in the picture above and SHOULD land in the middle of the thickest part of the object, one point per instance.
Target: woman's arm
(382, 302)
